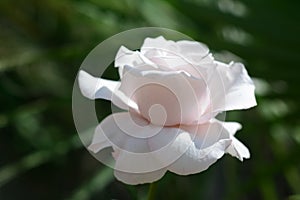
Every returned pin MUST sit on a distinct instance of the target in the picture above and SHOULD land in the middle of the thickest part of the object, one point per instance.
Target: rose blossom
(172, 92)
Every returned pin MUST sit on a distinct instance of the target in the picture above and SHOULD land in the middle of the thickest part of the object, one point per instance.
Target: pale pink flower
(172, 92)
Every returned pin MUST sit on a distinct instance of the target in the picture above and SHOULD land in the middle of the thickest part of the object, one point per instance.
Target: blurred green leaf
(97, 183)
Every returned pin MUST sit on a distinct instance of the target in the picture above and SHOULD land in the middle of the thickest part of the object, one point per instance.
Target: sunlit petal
(98, 88)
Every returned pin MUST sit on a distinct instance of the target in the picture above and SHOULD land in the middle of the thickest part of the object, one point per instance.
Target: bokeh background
(42, 44)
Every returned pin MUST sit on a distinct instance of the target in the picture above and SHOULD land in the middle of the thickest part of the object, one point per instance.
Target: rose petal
(142, 154)
(194, 51)
(183, 98)
(231, 87)
(129, 135)
(238, 149)
(210, 142)
(184, 150)
(158, 43)
(136, 178)
(182, 55)
(134, 58)
(99, 141)
(191, 50)
(231, 127)
(98, 88)
(125, 131)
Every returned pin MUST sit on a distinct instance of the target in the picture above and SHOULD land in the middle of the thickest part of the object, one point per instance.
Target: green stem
(152, 190)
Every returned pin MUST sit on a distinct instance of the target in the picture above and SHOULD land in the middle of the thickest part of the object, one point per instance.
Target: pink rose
(172, 92)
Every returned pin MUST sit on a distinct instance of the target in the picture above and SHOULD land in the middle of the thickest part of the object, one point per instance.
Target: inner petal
(158, 104)
(182, 97)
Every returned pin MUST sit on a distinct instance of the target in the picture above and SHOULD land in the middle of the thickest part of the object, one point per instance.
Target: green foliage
(42, 44)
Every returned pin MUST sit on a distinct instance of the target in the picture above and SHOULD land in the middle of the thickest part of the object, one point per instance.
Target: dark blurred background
(42, 44)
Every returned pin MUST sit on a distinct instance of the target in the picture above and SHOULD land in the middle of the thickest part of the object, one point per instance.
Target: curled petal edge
(98, 88)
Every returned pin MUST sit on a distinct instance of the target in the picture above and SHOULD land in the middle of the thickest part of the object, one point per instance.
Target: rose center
(157, 114)
(158, 104)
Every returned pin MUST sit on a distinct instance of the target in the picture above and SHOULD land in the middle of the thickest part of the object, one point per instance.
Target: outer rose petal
(136, 178)
(208, 146)
(182, 98)
(125, 131)
(132, 58)
(193, 52)
(184, 150)
(130, 136)
(232, 89)
(238, 149)
(98, 88)
(99, 141)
